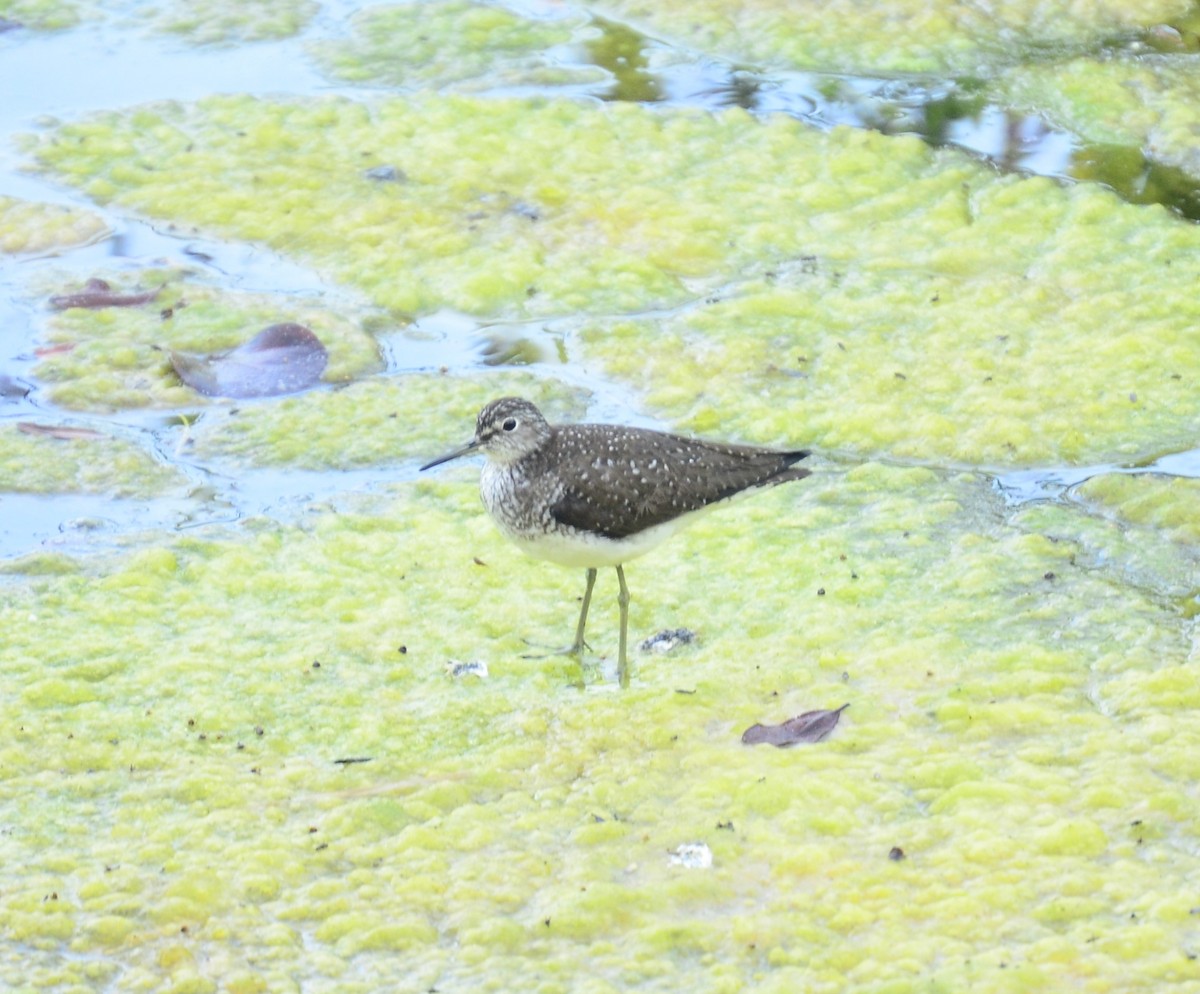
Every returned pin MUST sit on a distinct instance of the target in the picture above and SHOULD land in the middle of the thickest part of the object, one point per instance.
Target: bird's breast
(513, 502)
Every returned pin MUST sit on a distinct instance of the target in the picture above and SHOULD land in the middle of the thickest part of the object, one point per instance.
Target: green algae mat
(317, 744)
(898, 36)
(891, 277)
(240, 763)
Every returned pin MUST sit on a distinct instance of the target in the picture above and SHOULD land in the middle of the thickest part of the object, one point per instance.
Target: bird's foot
(571, 650)
(579, 680)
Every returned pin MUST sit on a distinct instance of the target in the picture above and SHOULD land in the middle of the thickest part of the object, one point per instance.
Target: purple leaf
(284, 358)
(812, 726)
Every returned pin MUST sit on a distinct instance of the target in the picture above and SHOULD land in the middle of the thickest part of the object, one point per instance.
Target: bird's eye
(510, 424)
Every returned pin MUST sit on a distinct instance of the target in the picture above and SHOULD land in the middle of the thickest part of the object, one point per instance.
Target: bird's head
(505, 430)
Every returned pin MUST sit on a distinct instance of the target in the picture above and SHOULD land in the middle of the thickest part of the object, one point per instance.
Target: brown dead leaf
(812, 726)
(44, 350)
(65, 432)
(97, 293)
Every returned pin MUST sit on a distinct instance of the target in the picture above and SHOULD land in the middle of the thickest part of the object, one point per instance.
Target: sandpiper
(592, 495)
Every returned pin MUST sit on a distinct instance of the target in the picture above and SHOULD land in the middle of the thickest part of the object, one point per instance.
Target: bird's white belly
(590, 551)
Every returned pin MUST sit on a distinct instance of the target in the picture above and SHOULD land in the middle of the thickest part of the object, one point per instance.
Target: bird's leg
(578, 645)
(623, 601)
(575, 648)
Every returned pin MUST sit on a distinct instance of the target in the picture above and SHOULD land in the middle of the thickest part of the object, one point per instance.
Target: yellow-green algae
(1148, 103)
(221, 22)
(1144, 529)
(46, 15)
(116, 360)
(522, 207)
(433, 44)
(894, 35)
(880, 257)
(39, 464)
(376, 422)
(29, 227)
(174, 814)
(1138, 557)
(1168, 505)
(1048, 347)
(39, 563)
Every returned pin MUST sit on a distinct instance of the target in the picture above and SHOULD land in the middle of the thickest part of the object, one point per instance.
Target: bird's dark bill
(465, 450)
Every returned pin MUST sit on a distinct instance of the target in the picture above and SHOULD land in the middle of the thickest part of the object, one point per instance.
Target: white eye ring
(510, 424)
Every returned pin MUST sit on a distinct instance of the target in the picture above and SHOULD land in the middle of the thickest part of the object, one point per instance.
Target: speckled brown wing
(619, 483)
